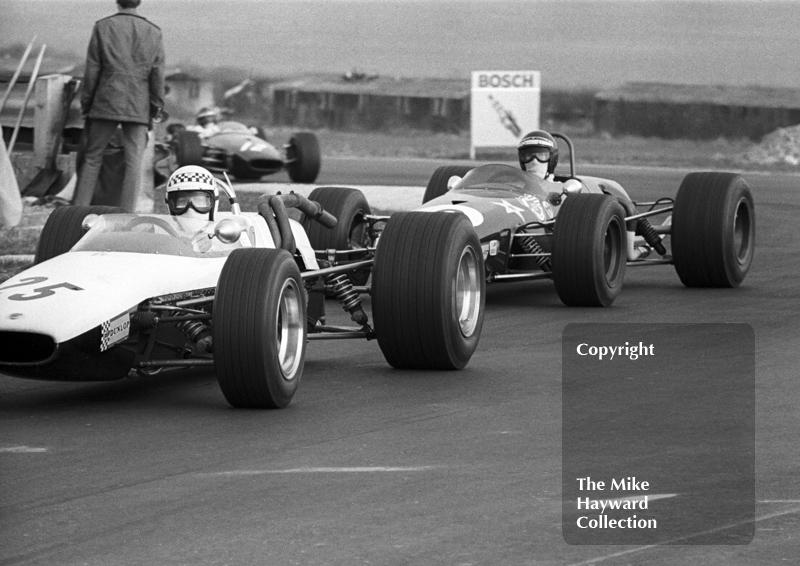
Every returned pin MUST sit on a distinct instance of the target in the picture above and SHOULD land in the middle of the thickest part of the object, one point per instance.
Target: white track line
(636, 498)
(373, 469)
(791, 511)
(22, 450)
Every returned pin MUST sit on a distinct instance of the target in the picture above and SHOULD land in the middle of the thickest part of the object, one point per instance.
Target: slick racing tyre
(713, 230)
(589, 250)
(437, 184)
(350, 207)
(188, 148)
(428, 290)
(259, 328)
(303, 158)
(63, 229)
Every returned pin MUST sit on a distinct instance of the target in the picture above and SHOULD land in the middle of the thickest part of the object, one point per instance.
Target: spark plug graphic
(506, 117)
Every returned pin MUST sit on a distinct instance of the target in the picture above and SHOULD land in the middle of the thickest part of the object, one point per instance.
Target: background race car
(582, 232)
(244, 152)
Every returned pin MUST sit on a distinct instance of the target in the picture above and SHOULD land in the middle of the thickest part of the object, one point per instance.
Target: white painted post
(48, 115)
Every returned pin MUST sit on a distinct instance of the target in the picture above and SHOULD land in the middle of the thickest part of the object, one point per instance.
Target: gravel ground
(779, 148)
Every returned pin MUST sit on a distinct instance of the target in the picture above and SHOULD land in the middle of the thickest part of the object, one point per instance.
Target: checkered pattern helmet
(193, 178)
(539, 138)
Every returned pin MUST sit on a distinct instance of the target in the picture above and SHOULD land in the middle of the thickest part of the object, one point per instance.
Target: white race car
(112, 295)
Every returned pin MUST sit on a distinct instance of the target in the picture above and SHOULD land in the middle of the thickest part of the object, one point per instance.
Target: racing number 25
(38, 292)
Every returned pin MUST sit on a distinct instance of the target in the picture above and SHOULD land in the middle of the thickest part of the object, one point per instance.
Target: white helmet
(192, 193)
(208, 115)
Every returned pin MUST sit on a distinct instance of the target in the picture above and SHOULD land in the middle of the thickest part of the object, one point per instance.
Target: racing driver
(207, 122)
(192, 193)
(538, 154)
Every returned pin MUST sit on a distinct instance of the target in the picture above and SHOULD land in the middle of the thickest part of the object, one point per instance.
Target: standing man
(123, 86)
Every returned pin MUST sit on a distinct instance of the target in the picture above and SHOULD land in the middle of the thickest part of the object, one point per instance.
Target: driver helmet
(208, 116)
(192, 193)
(538, 147)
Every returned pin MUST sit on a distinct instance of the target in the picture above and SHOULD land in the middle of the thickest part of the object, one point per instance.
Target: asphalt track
(371, 465)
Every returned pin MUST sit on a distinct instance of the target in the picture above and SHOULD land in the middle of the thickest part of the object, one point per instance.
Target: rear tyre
(259, 328)
(713, 230)
(303, 158)
(63, 229)
(350, 207)
(428, 290)
(437, 184)
(589, 250)
(188, 148)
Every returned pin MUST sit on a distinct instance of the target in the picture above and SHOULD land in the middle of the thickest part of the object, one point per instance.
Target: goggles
(180, 201)
(540, 154)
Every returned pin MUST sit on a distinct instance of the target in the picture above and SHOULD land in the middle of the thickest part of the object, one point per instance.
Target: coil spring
(645, 229)
(192, 328)
(342, 289)
(531, 246)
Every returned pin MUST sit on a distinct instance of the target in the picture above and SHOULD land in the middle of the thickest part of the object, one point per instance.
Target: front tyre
(428, 290)
(588, 256)
(303, 158)
(259, 328)
(437, 184)
(713, 230)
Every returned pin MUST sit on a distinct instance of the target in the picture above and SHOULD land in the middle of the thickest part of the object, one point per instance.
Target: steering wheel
(160, 222)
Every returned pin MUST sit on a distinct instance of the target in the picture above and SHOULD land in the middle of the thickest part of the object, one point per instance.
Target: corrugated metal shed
(378, 85)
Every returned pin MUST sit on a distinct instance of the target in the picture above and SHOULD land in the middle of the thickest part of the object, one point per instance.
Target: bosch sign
(504, 104)
(506, 80)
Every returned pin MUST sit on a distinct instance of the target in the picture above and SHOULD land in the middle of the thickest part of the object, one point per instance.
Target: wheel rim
(612, 246)
(742, 230)
(290, 329)
(468, 292)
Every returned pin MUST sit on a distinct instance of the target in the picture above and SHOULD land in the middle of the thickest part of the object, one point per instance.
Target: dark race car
(244, 152)
(580, 231)
(583, 232)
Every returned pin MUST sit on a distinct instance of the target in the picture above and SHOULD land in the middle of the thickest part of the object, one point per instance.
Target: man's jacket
(124, 78)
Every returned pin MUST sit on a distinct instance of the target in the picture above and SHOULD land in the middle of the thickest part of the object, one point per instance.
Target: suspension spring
(645, 229)
(198, 333)
(531, 246)
(341, 288)
(192, 328)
